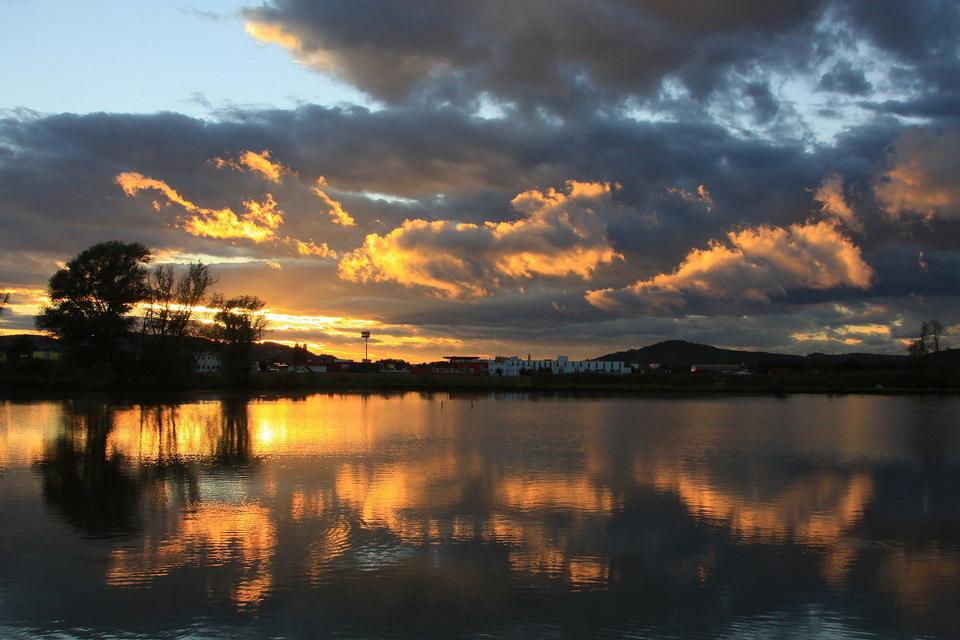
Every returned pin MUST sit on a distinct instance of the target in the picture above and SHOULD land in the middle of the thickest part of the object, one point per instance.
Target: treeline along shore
(735, 372)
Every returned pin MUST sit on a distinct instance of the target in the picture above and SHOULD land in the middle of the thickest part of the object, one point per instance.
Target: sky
(496, 178)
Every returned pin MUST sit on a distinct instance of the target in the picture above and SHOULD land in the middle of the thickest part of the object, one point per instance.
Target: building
(455, 365)
(206, 362)
(562, 365)
(514, 366)
(308, 368)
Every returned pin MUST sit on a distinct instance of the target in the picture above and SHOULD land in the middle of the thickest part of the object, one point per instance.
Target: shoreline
(842, 383)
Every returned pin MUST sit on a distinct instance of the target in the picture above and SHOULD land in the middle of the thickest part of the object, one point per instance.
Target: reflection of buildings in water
(239, 539)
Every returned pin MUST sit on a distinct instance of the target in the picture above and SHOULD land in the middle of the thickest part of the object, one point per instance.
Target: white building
(206, 362)
(513, 366)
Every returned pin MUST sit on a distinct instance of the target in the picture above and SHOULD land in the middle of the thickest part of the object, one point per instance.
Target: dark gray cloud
(569, 55)
(550, 54)
(844, 78)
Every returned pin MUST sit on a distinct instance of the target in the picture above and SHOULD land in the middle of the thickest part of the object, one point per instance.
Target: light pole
(366, 345)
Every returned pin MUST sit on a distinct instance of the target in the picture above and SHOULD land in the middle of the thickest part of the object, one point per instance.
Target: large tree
(171, 301)
(237, 324)
(91, 298)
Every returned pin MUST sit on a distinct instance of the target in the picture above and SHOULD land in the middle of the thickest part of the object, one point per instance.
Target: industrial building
(515, 366)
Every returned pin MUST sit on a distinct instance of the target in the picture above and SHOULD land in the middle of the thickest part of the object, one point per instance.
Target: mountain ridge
(676, 353)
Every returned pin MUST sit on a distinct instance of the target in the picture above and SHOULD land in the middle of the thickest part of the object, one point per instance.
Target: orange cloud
(702, 195)
(312, 249)
(833, 203)
(705, 197)
(268, 33)
(560, 234)
(334, 208)
(257, 163)
(258, 222)
(132, 183)
(756, 264)
(922, 176)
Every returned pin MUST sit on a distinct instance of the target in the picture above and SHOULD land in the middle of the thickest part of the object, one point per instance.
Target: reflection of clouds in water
(391, 486)
(561, 492)
(817, 509)
(926, 581)
(24, 428)
(237, 539)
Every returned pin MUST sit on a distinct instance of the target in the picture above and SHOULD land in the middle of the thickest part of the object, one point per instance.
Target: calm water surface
(425, 516)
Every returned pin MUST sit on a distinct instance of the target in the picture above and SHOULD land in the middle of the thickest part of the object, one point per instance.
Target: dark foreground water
(424, 516)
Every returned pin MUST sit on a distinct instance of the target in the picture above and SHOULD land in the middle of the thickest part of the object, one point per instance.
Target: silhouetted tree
(237, 324)
(929, 339)
(4, 299)
(168, 315)
(299, 355)
(396, 363)
(935, 329)
(92, 296)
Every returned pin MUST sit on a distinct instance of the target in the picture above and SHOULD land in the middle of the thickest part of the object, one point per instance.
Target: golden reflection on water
(816, 510)
(408, 466)
(208, 535)
(24, 429)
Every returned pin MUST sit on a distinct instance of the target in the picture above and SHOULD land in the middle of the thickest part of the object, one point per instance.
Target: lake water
(421, 516)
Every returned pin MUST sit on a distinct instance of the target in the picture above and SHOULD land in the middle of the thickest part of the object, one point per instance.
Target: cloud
(833, 203)
(752, 267)
(255, 162)
(702, 195)
(258, 222)
(921, 176)
(407, 152)
(311, 249)
(843, 78)
(561, 234)
(334, 208)
(705, 197)
(542, 53)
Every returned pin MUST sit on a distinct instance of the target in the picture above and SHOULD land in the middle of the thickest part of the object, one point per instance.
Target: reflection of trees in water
(656, 517)
(93, 491)
(100, 482)
(233, 442)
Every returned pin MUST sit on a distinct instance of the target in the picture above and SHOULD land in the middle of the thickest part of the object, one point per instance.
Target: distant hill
(947, 359)
(39, 342)
(261, 350)
(868, 360)
(680, 353)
